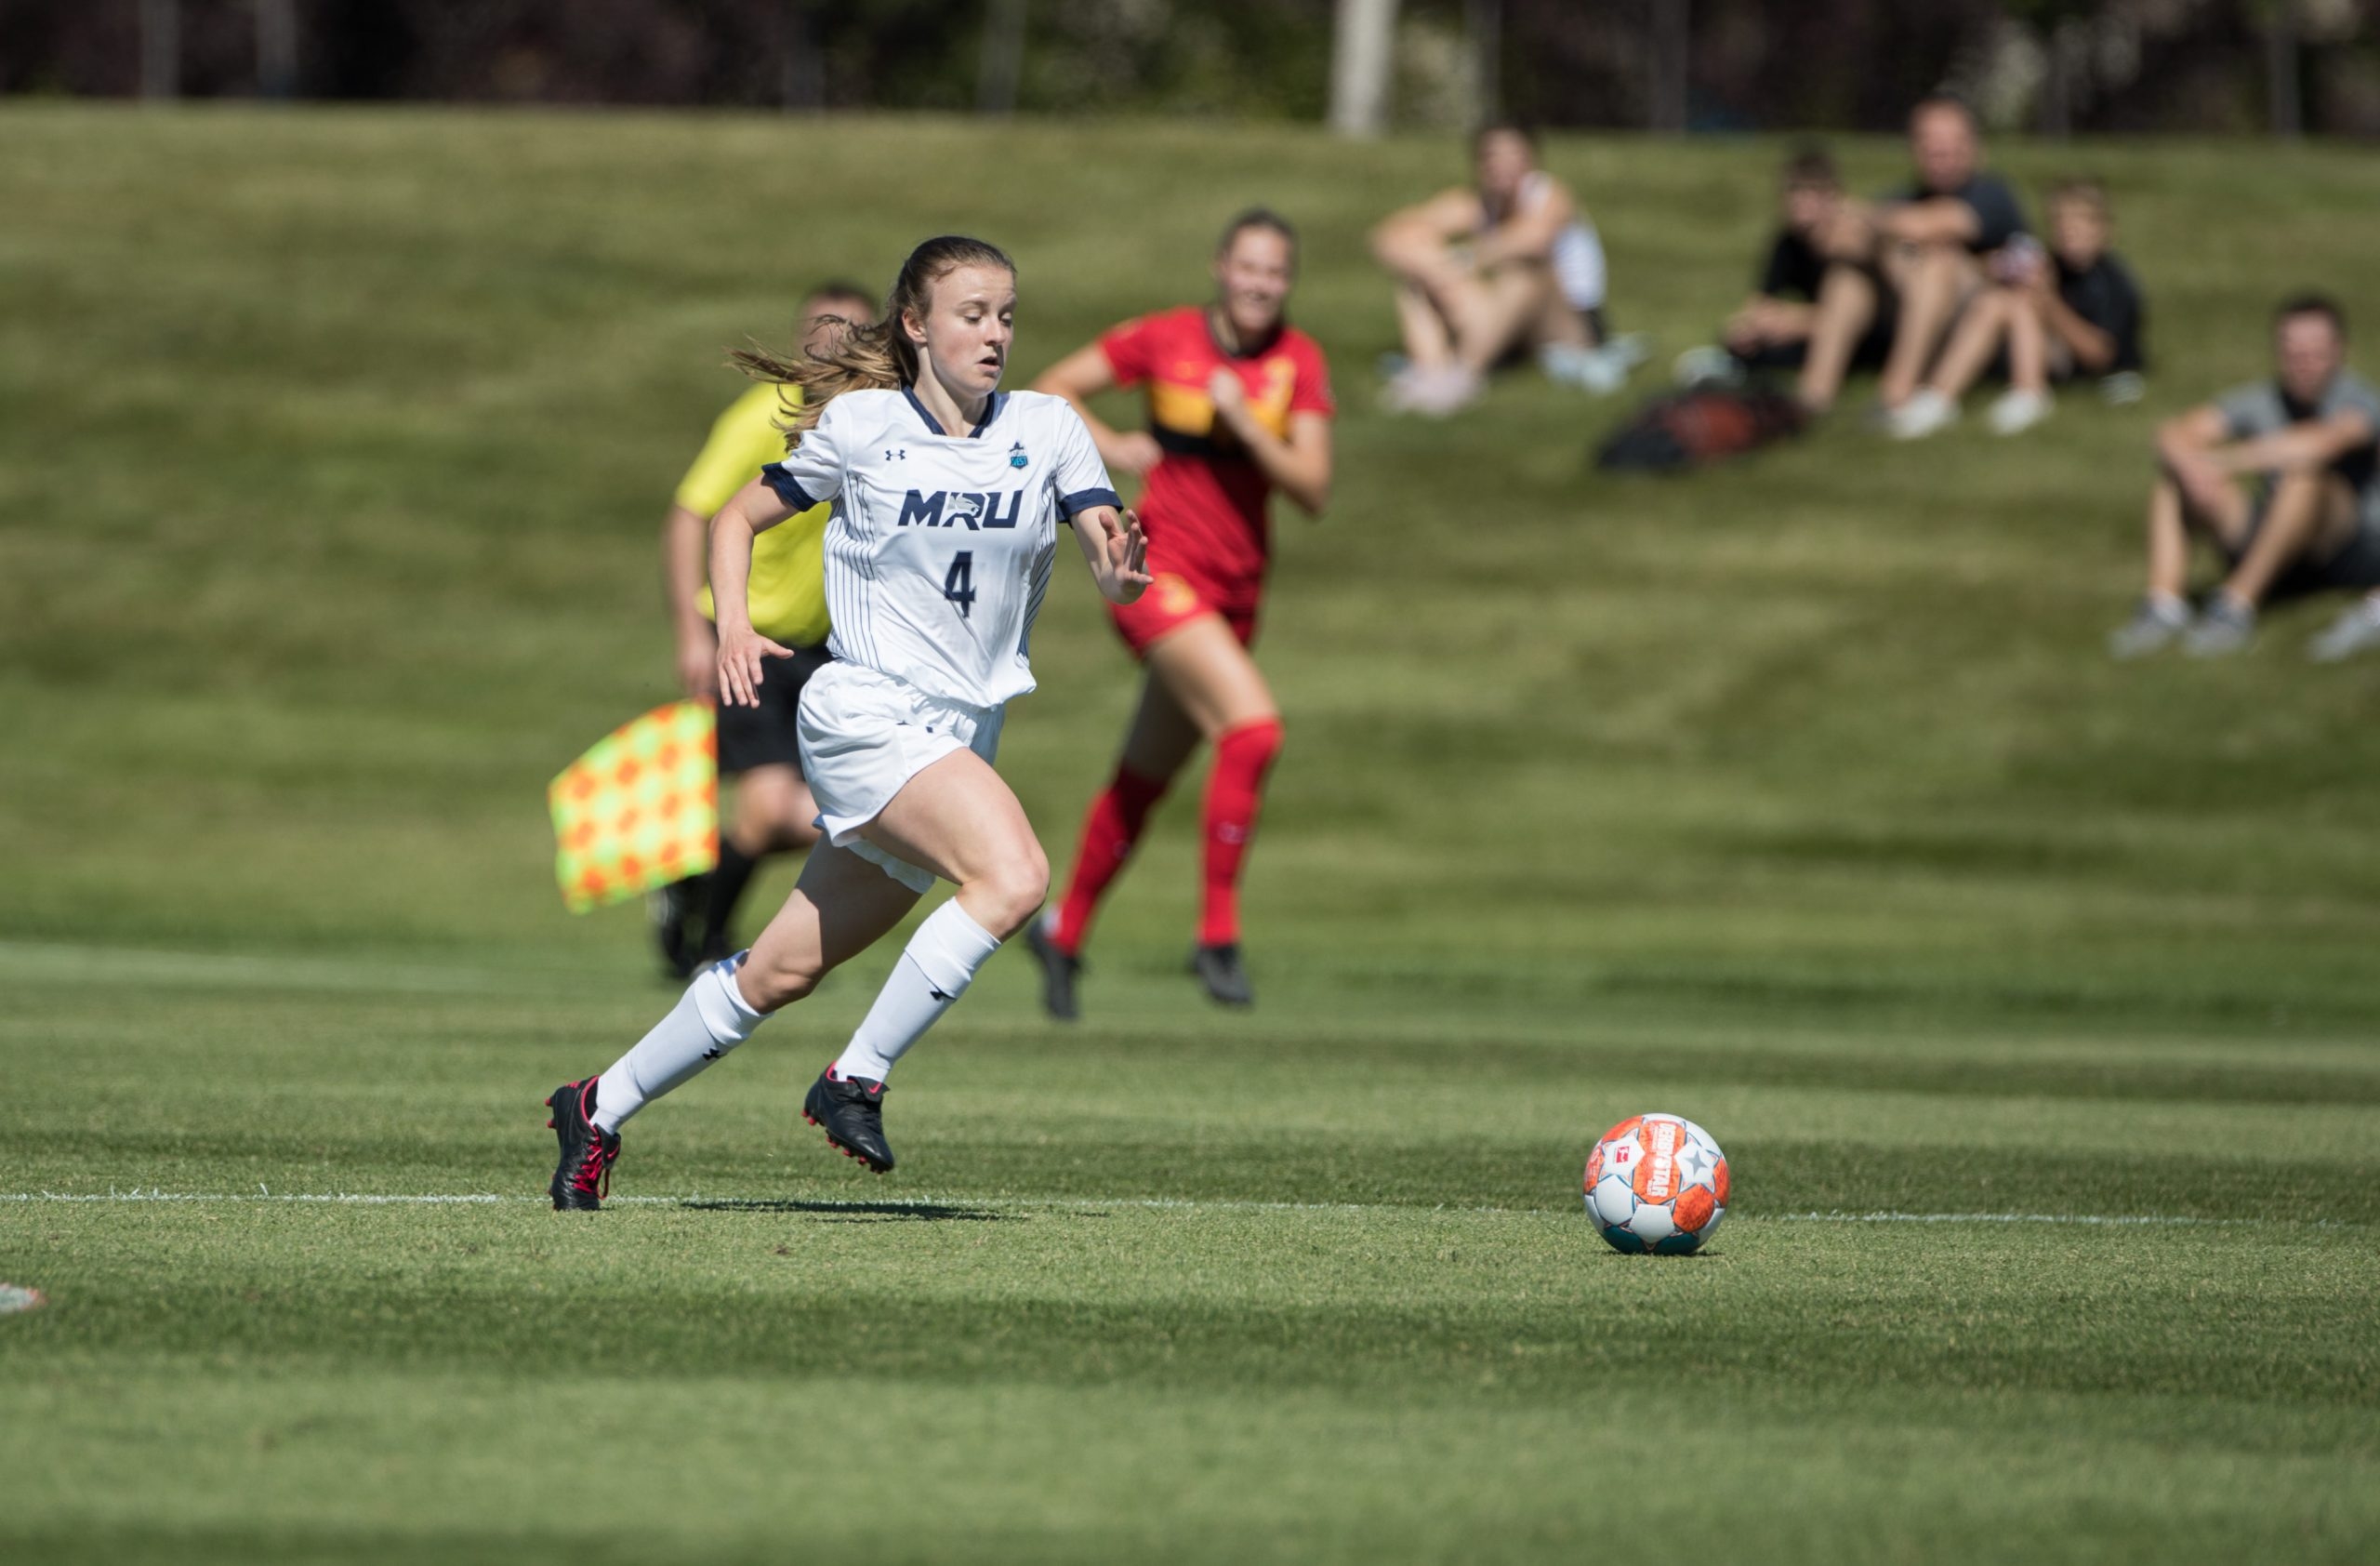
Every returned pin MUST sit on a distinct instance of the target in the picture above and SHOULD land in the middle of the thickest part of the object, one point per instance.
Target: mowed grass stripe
(1164, 1299)
(192, 1467)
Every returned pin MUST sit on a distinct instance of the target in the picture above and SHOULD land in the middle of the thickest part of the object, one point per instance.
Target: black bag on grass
(1697, 426)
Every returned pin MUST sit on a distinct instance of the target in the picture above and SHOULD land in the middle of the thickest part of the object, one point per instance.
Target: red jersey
(1204, 507)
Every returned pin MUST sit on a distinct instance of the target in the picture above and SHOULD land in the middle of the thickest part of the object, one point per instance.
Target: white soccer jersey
(939, 548)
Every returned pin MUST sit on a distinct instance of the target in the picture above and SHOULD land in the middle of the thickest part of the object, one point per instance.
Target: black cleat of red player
(1059, 973)
(583, 1177)
(1222, 976)
(851, 1111)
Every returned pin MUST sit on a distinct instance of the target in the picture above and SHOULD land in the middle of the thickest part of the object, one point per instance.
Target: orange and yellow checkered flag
(638, 810)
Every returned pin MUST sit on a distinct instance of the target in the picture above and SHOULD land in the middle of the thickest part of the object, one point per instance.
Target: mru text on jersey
(940, 546)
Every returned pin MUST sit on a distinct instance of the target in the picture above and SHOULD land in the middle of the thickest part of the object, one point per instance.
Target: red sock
(1110, 828)
(1235, 793)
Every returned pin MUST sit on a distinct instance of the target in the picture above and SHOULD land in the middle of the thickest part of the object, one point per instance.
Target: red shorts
(1171, 602)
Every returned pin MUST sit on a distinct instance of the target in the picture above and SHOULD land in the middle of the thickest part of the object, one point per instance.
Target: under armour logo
(710, 1055)
(936, 993)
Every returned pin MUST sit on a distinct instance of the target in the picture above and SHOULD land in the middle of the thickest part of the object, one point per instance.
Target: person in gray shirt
(2280, 476)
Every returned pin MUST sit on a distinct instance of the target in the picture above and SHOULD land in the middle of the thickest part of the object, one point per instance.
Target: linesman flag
(638, 810)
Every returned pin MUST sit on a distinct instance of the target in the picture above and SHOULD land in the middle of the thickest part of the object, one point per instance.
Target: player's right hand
(740, 656)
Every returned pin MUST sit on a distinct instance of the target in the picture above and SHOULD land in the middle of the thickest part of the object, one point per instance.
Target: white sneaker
(1928, 412)
(1599, 370)
(1706, 365)
(2016, 412)
(2357, 629)
(1436, 393)
(1629, 349)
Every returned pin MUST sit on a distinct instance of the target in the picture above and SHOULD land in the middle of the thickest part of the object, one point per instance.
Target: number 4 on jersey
(960, 585)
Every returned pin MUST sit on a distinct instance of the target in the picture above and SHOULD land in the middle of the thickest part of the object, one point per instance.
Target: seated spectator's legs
(2175, 511)
(2310, 516)
(1496, 313)
(1559, 326)
(1935, 283)
(1428, 344)
(2170, 519)
(2027, 347)
(1987, 324)
(1847, 304)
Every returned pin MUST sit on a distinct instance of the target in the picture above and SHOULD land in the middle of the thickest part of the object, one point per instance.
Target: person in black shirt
(1919, 254)
(1772, 330)
(2073, 312)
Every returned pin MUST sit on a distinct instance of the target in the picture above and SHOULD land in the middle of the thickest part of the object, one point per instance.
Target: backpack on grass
(1698, 426)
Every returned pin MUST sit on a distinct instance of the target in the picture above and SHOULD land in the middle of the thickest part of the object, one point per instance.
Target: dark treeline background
(2051, 65)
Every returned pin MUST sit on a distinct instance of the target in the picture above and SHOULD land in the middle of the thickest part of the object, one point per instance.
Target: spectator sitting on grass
(1482, 273)
(2073, 313)
(1772, 330)
(2313, 522)
(1910, 261)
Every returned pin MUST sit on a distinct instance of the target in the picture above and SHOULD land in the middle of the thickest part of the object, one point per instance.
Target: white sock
(934, 970)
(709, 1019)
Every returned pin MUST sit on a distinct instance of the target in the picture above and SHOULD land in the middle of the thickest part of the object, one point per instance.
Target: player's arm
(1084, 374)
(1299, 466)
(1116, 550)
(752, 511)
(2300, 448)
(683, 545)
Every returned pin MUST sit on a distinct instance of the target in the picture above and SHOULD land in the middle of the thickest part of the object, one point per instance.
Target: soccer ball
(1656, 1183)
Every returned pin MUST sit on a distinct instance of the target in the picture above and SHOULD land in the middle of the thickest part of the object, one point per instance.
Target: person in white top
(1507, 264)
(949, 495)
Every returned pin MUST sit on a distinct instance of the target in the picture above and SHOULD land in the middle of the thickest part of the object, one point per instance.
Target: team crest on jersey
(1016, 457)
(972, 509)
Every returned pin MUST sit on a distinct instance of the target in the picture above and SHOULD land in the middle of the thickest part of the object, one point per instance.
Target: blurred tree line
(2049, 65)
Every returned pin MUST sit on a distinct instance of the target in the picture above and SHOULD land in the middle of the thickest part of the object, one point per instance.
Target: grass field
(2032, 998)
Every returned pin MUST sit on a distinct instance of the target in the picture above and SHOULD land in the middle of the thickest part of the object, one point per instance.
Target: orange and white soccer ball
(1656, 1183)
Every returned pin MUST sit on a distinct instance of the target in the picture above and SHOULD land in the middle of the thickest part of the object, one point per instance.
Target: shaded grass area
(1796, 798)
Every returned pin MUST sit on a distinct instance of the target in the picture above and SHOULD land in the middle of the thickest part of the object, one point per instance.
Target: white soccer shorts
(864, 735)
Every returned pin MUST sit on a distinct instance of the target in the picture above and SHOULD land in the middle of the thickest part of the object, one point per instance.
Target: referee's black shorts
(763, 736)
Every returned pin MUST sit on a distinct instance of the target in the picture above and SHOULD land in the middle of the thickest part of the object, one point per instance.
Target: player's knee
(1013, 889)
(1256, 741)
(767, 984)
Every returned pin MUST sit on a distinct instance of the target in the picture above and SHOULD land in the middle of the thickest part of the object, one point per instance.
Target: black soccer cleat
(1059, 973)
(583, 1177)
(851, 1111)
(672, 909)
(1221, 974)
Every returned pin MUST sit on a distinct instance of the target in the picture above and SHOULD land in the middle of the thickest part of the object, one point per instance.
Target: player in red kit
(1238, 407)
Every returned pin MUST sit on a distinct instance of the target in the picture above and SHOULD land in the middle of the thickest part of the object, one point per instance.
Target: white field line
(828, 1204)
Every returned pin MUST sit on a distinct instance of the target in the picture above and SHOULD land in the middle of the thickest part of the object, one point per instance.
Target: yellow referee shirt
(788, 593)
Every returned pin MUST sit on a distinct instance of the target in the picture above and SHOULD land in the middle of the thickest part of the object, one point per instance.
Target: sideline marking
(1152, 1203)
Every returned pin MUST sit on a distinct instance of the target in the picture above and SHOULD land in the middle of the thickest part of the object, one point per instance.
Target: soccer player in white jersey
(949, 495)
